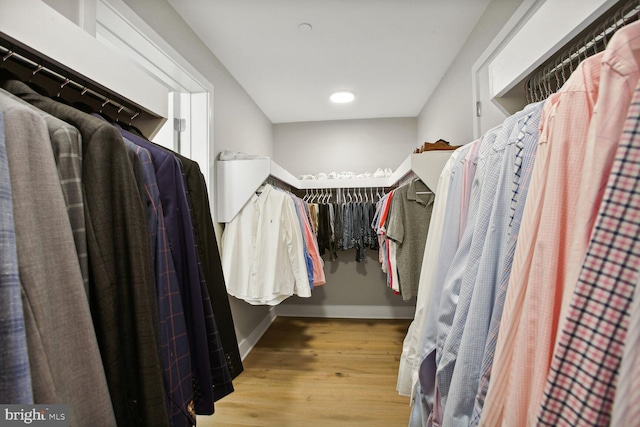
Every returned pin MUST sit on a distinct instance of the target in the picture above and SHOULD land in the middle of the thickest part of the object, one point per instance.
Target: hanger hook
(137, 113)
(118, 113)
(36, 71)
(103, 104)
(8, 55)
(62, 85)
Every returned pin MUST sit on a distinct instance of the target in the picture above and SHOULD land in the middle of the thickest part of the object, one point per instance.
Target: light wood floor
(307, 372)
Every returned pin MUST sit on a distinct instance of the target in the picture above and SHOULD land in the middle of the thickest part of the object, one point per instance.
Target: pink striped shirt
(618, 79)
(532, 307)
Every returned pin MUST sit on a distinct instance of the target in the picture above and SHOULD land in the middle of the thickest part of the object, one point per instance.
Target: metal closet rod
(539, 86)
(38, 67)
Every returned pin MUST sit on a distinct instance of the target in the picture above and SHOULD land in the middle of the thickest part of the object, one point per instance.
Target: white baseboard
(246, 345)
(347, 311)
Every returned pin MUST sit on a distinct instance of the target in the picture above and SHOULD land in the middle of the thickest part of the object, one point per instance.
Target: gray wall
(360, 285)
(238, 122)
(357, 146)
(449, 112)
(344, 145)
(304, 147)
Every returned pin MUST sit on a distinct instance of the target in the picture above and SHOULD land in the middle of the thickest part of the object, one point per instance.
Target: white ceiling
(390, 53)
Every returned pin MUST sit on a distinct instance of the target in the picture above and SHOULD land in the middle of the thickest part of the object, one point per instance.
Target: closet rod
(39, 66)
(278, 183)
(555, 72)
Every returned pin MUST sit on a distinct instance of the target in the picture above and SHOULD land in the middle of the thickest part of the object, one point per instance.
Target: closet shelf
(237, 180)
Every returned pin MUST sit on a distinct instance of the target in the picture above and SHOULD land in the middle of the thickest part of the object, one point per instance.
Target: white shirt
(262, 251)
(410, 350)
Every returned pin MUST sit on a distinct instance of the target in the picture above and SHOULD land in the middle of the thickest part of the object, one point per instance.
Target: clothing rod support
(9, 53)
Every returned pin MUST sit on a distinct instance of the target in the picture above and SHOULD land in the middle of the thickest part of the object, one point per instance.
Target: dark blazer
(121, 287)
(174, 341)
(180, 232)
(211, 264)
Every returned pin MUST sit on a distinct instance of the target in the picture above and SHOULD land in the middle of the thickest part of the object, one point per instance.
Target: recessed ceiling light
(304, 27)
(342, 97)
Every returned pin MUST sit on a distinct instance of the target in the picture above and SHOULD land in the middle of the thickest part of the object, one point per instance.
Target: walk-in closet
(279, 213)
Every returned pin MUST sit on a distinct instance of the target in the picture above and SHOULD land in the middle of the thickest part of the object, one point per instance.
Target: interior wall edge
(246, 344)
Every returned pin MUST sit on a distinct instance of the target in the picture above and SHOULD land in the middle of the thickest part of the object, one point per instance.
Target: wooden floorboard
(307, 372)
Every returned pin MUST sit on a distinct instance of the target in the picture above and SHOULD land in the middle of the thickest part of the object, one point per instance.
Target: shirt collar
(264, 194)
(413, 187)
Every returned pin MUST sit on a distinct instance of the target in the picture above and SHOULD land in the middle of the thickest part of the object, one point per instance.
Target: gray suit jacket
(121, 287)
(67, 151)
(15, 379)
(65, 362)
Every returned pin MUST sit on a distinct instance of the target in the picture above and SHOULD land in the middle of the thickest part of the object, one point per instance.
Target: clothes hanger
(547, 81)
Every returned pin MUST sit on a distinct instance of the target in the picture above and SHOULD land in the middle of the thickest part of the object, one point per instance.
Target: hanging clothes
(16, 381)
(262, 250)
(202, 335)
(384, 252)
(209, 256)
(607, 157)
(542, 251)
(316, 266)
(148, 344)
(61, 343)
(408, 226)
(430, 261)
(553, 267)
(174, 344)
(464, 344)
